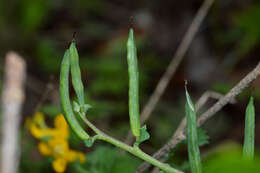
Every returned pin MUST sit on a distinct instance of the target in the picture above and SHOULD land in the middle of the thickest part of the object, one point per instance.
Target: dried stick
(175, 62)
(179, 135)
(49, 87)
(207, 95)
(12, 101)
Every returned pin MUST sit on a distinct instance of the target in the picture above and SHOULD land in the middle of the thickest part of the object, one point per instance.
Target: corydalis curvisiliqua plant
(65, 98)
(70, 63)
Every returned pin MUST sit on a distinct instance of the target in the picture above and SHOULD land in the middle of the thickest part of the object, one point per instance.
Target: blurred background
(224, 50)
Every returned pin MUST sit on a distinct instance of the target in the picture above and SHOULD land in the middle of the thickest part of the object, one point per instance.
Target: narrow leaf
(89, 142)
(144, 135)
(192, 136)
(249, 139)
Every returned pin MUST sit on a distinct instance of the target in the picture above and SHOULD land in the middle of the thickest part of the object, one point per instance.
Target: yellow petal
(71, 156)
(39, 133)
(59, 146)
(59, 165)
(61, 126)
(44, 149)
(60, 122)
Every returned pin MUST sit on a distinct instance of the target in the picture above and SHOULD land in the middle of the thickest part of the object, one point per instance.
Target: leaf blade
(192, 136)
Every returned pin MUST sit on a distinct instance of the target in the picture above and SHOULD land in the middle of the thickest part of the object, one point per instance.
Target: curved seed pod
(65, 98)
(76, 75)
(192, 136)
(133, 85)
(249, 139)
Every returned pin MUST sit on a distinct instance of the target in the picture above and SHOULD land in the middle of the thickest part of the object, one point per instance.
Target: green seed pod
(76, 74)
(192, 136)
(249, 139)
(65, 98)
(133, 85)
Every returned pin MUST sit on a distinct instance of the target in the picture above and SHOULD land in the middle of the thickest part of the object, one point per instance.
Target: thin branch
(49, 87)
(207, 95)
(175, 62)
(179, 135)
(12, 101)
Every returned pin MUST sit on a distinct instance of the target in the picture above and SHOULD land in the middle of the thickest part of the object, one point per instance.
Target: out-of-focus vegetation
(41, 30)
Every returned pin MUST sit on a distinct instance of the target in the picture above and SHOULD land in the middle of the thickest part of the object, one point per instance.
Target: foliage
(112, 161)
(227, 158)
(192, 136)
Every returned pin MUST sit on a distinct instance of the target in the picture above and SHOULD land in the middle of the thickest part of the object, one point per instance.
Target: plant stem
(133, 150)
(139, 153)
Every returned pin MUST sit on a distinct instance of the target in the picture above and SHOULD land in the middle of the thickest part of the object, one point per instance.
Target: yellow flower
(59, 149)
(44, 149)
(59, 165)
(57, 145)
(61, 126)
(39, 129)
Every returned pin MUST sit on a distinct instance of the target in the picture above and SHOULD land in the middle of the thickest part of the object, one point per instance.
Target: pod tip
(131, 22)
(185, 83)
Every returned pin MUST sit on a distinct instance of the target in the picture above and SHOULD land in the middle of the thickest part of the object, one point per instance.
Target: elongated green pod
(133, 85)
(192, 136)
(65, 98)
(76, 74)
(249, 136)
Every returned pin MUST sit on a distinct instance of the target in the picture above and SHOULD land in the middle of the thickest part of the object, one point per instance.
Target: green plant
(70, 63)
(192, 135)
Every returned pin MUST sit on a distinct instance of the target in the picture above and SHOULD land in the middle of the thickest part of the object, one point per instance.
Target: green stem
(133, 150)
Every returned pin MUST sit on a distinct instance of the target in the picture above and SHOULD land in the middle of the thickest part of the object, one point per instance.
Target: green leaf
(144, 135)
(86, 107)
(192, 136)
(76, 107)
(203, 137)
(89, 142)
(80, 109)
(249, 139)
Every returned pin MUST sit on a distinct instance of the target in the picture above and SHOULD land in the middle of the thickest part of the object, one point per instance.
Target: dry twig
(171, 69)
(49, 87)
(12, 101)
(179, 135)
